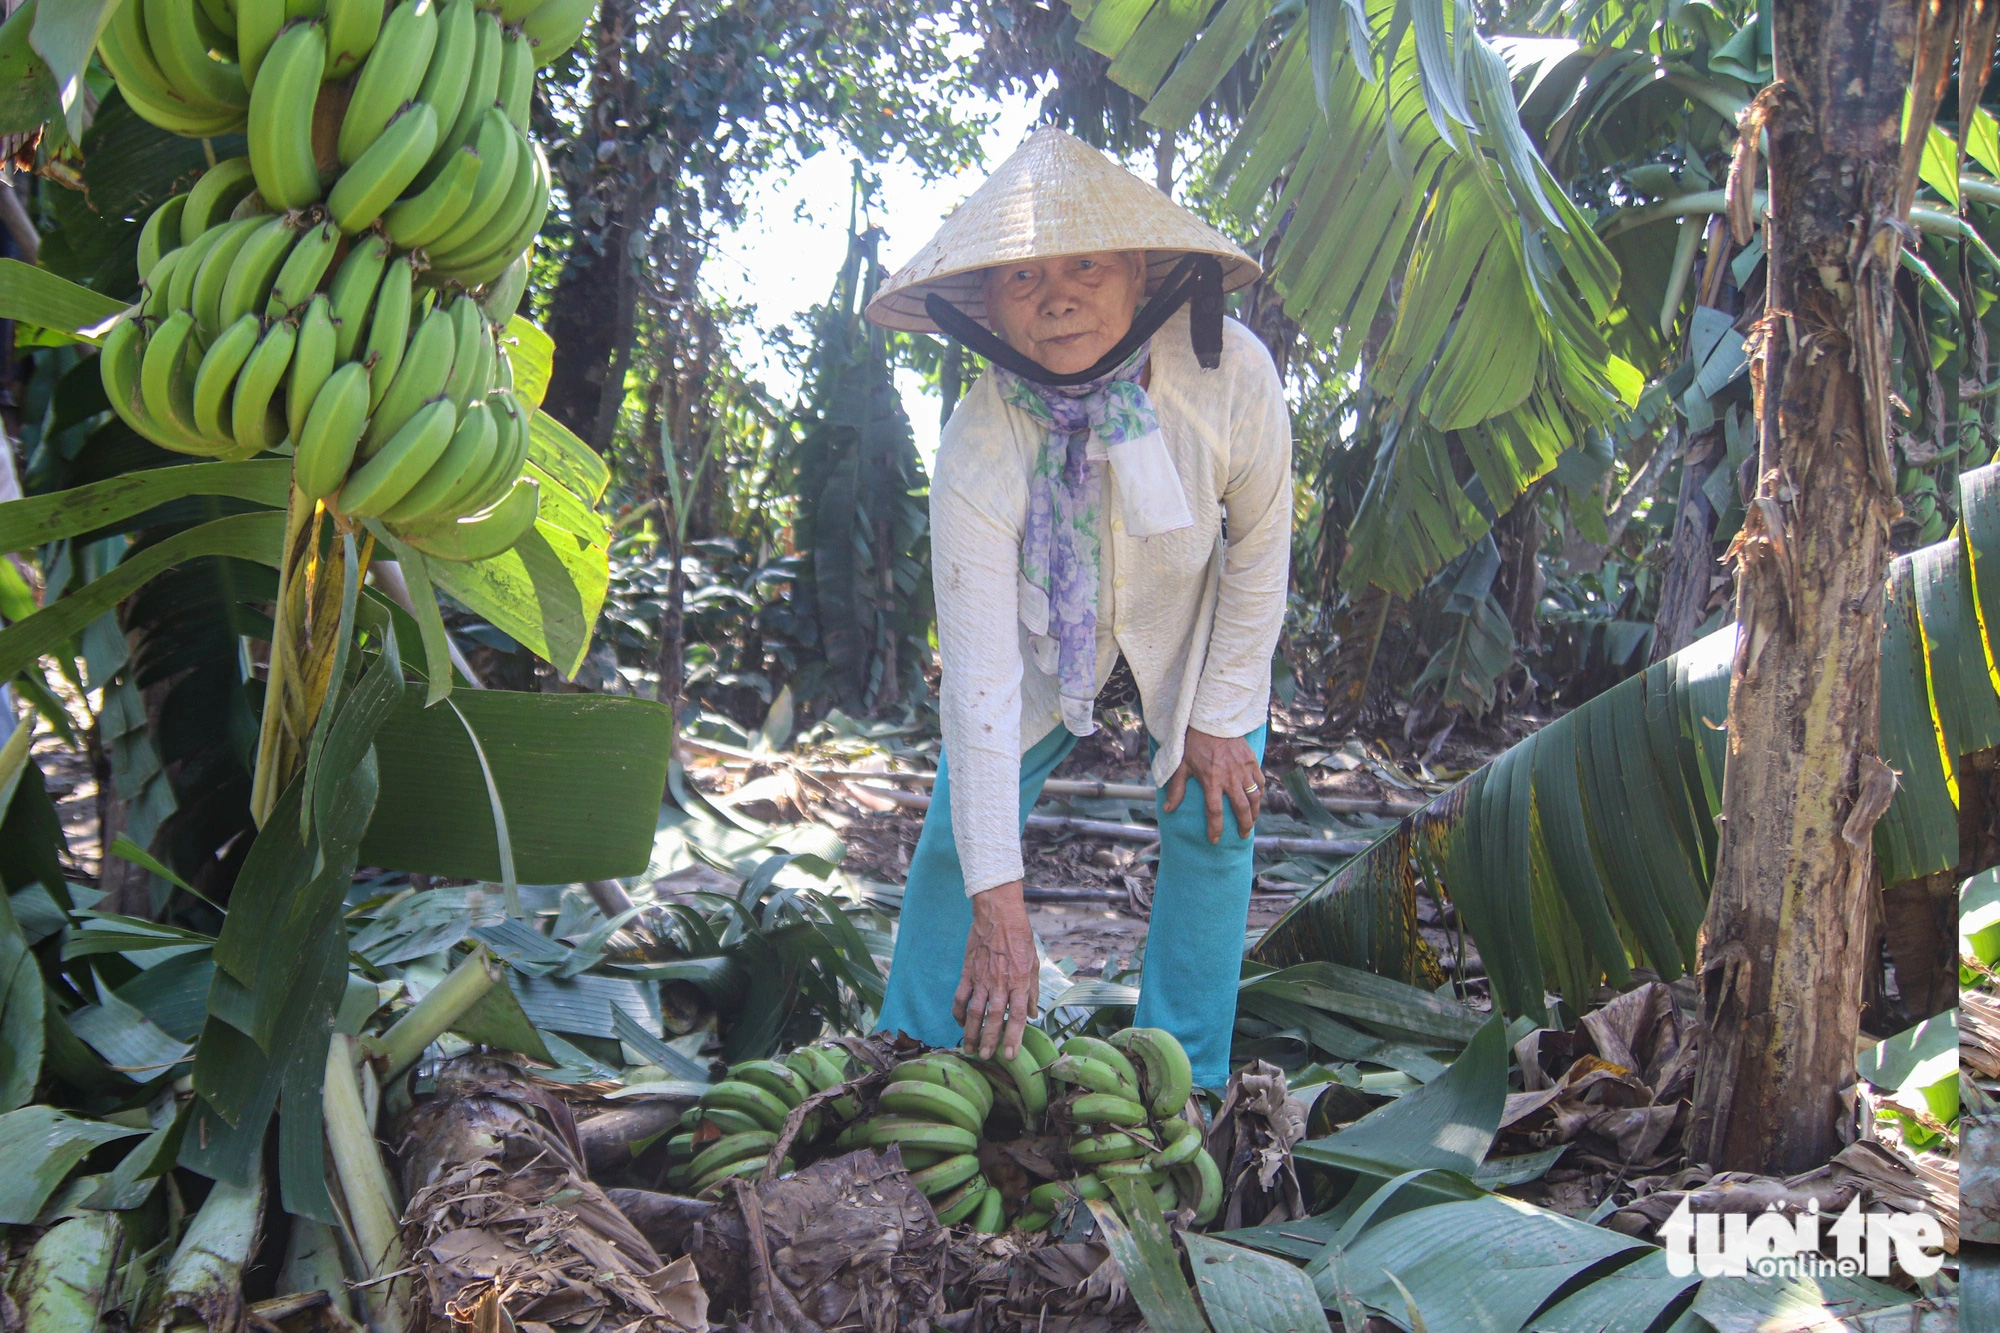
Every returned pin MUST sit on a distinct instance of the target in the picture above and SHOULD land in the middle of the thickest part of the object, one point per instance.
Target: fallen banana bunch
(1124, 1105)
(346, 300)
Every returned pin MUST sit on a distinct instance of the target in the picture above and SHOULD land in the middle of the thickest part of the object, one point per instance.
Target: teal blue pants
(1194, 947)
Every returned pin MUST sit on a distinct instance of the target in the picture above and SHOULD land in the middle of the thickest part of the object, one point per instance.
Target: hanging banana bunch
(339, 292)
(1124, 1106)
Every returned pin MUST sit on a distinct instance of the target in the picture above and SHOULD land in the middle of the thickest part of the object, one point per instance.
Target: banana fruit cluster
(192, 67)
(338, 288)
(1125, 1103)
(737, 1121)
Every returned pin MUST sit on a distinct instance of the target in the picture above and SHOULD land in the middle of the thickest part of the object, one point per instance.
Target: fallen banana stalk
(1085, 787)
(434, 1015)
(204, 1286)
(312, 1264)
(66, 1278)
(1105, 828)
(365, 1187)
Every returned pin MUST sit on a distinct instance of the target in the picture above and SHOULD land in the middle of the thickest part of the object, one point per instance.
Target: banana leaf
(580, 777)
(1598, 830)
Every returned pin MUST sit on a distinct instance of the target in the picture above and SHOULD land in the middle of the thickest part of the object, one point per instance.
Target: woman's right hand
(999, 991)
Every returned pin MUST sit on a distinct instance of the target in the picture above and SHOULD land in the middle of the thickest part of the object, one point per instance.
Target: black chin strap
(1195, 282)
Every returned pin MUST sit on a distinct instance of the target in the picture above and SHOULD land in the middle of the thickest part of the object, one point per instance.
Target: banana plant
(1587, 849)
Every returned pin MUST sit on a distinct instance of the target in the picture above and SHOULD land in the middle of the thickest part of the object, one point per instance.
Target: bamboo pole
(1105, 828)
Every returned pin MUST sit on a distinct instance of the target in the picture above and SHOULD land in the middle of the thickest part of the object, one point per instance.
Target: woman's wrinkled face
(1066, 312)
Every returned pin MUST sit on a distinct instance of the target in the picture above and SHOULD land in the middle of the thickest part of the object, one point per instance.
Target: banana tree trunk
(1783, 953)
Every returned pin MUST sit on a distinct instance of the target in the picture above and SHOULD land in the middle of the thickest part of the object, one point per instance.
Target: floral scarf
(1060, 547)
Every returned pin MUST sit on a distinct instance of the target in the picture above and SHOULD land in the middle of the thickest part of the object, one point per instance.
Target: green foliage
(1588, 847)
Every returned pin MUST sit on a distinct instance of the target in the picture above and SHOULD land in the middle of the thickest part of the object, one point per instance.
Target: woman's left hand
(1227, 769)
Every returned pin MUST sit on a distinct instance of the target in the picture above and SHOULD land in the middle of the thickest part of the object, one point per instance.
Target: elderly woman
(1110, 518)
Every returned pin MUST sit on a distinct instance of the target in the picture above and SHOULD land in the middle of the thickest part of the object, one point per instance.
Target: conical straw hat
(1055, 196)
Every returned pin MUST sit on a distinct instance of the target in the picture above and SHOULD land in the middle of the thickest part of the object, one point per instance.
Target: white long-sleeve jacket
(1196, 612)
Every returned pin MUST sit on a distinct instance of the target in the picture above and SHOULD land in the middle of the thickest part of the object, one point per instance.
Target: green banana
(1200, 1187)
(478, 271)
(554, 27)
(752, 1166)
(500, 149)
(420, 378)
(728, 1122)
(389, 329)
(164, 389)
(991, 1214)
(221, 16)
(916, 1159)
(161, 233)
(1086, 1073)
(180, 287)
(509, 459)
(1029, 1084)
(155, 301)
(118, 361)
(680, 1148)
(218, 191)
(426, 214)
(482, 87)
(930, 1101)
(386, 478)
(205, 292)
(1096, 1048)
(781, 1081)
(515, 225)
(1182, 1142)
(946, 1175)
(511, 12)
(493, 532)
(281, 117)
(258, 23)
(1040, 1045)
(323, 447)
(730, 1094)
(216, 377)
(175, 34)
(959, 1205)
(1109, 1147)
(313, 361)
(517, 78)
(948, 1071)
(128, 55)
(255, 420)
(351, 30)
(811, 1064)
(472, 351)
(308, 262)
(247, 287)
(352, 293)
(449, 74)
(733, 1148)
(1031, 1222)
(390, 77)
(1135, 1169)
(885, 1130)
(1166, 1196)
(451, 479)
(382, 172)
(305, 9)
(1107, 1108)
(1168, 1077)
(1059, 1195)
(503, 295)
